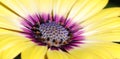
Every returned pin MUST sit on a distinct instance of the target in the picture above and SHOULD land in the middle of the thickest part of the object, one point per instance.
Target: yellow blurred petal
(83, 54)
(114, 49)
(4, 11)
(4, 32)
(57, 54)
(84, 9)
(97, 51)
(11, 40)
(107, 50)
(62, 7)
(110, 35)
(16, 6)
(103, 26)
(9, 23)
(5, 44)
(102, 15)
(6, 36)
(9, 19)
(44, 6)
(13, 51)
(28, 6)
(35, 52)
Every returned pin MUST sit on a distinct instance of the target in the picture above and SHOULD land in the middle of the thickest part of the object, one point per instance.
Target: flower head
(59, 29)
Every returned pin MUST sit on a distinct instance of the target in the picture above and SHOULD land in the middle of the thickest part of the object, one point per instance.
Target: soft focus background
(112, 3)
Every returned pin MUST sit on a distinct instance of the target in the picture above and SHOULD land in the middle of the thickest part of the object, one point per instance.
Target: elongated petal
(9, 19)
(56, 54)
(107, 24)
(84, 9)
(110, 35)
(8, 41)
(29, 6)
(44, 6)
(62, 7)
(84, 55)
(35, 52)
(111, 50)
(98, 51)
(102, 15)
(108, 30)
(13, 51)
(5, 23)
(4, 32)
(16, 6)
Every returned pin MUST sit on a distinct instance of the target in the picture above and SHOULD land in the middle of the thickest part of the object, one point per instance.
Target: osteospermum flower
(59, 29)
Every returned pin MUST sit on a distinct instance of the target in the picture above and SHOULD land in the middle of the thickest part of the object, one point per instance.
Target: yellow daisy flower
(59, 29)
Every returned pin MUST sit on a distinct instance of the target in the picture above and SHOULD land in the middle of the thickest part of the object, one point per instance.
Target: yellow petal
(15, 6)
(102, 15)
(13, 51)
(35, 52)
(83, 54)
(4, 11)
(25, 7)
(84, 9)
(9, 19)
(8, 32)
(107, 50)
(110, 35)
(57, 54)
(62, 7)
(44, 6)
(10, 40)
(9, 23)
(97, 51)
(103, 26)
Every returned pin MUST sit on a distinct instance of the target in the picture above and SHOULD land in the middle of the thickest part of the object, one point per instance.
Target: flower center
(53, 31)
(51, 34)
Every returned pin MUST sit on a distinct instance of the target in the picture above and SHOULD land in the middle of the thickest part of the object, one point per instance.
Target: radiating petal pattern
(85, 9)
(59, 29)
(9, 19)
